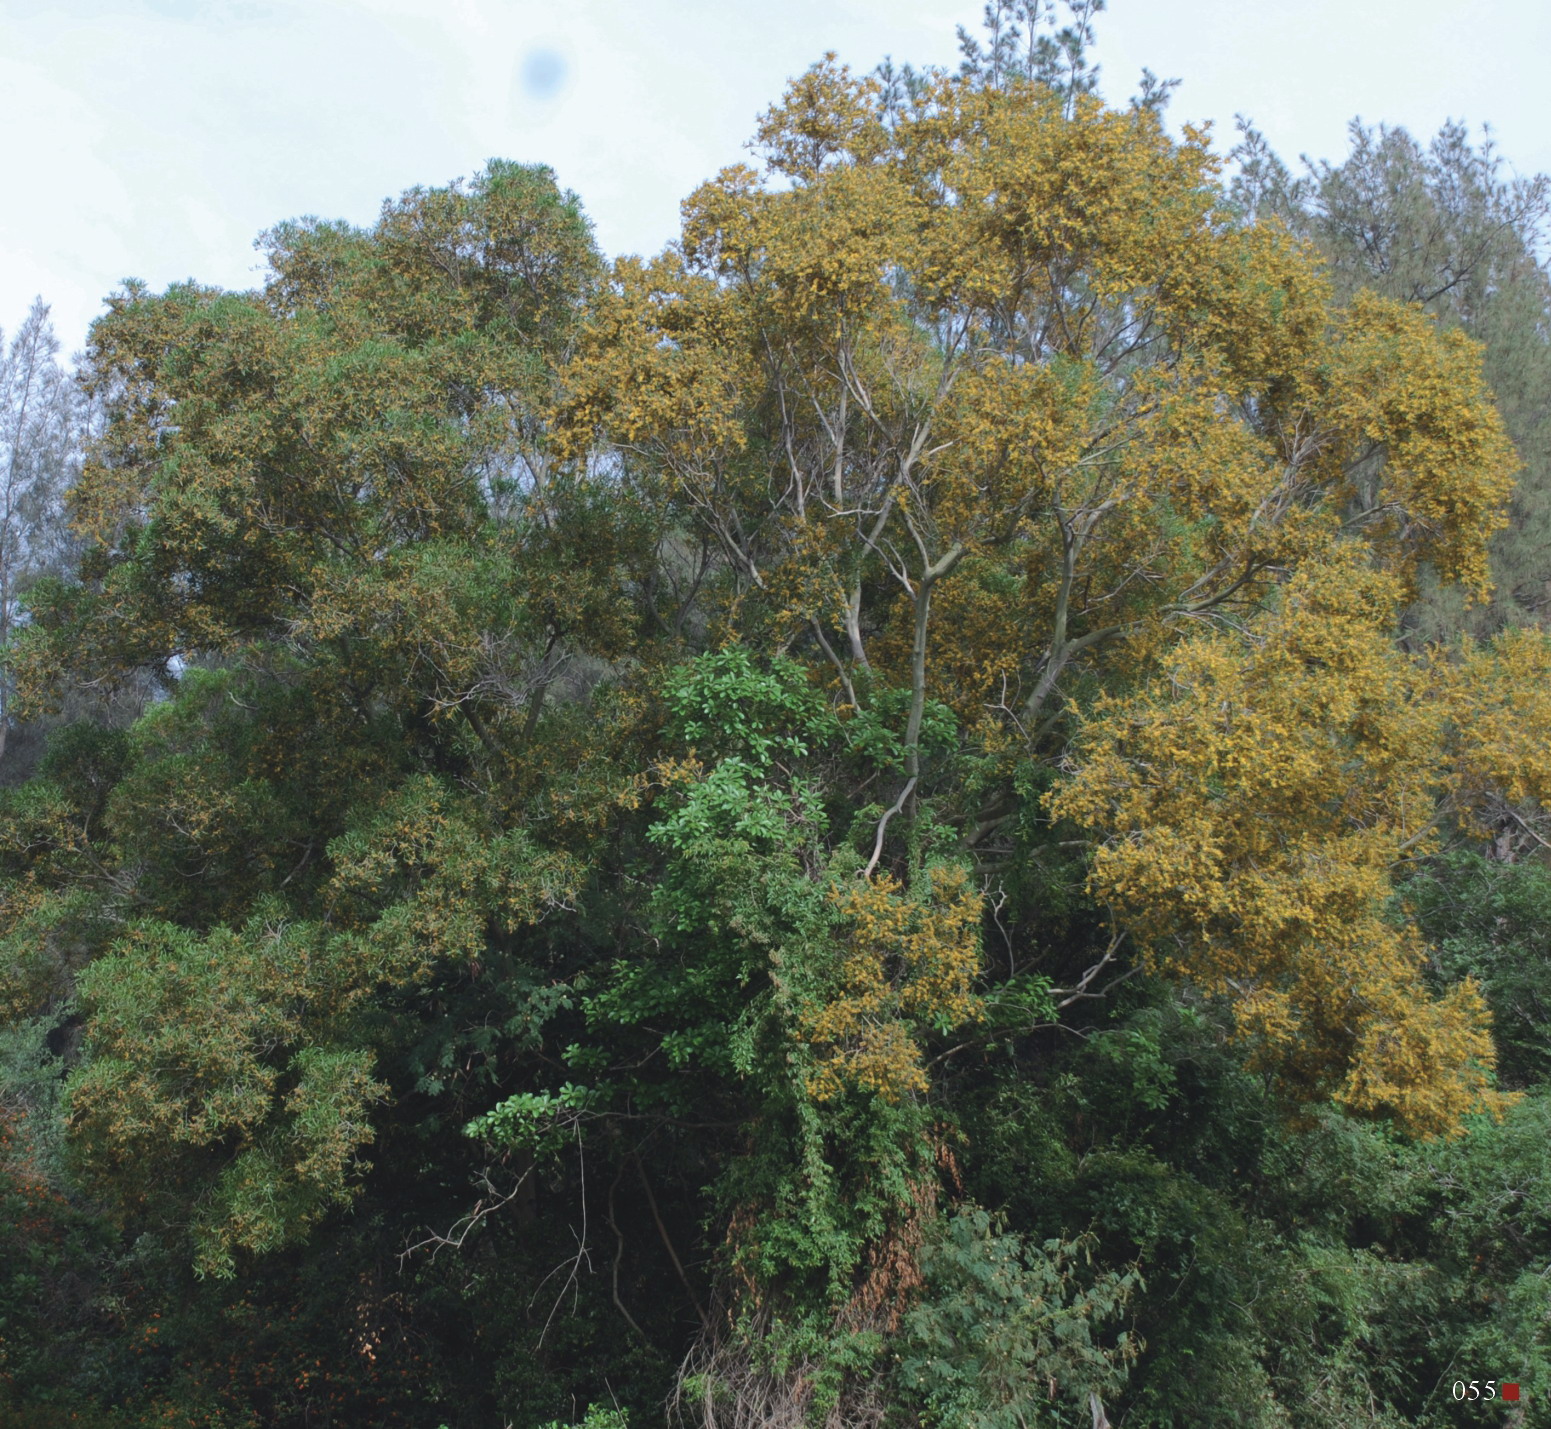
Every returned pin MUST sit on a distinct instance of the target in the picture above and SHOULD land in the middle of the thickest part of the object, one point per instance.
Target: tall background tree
(1443, 226)
(41, 436)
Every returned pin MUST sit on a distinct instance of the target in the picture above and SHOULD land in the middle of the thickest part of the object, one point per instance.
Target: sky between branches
(156, 138)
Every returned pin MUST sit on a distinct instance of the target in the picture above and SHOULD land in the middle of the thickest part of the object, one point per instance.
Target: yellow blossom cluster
(905, 957)
(1257, 805)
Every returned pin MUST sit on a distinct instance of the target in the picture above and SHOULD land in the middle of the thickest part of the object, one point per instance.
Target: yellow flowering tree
(1260, 800)
(986, 397)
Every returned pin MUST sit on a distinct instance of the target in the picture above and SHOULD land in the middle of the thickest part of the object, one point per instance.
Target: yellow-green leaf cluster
(1257, 803)
(904, 958)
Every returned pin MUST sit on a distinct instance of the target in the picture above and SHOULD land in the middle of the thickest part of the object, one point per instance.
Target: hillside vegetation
(927, 809)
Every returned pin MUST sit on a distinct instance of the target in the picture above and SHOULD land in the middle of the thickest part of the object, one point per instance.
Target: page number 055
(1485, 1389)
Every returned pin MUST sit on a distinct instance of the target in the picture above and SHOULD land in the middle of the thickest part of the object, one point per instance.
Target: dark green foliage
(1492, 921)
(1001, 1320)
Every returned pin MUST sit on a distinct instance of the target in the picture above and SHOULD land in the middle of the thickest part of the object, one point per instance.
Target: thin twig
(1075, 994)
(581, 1247)
(619, 1252)
(883, 823)
(460, 1230)
(673, 1255)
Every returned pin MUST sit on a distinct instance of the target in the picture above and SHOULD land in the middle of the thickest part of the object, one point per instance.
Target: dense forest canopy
(927, 809)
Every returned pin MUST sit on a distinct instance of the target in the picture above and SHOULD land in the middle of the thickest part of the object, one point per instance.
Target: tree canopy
(850, 824)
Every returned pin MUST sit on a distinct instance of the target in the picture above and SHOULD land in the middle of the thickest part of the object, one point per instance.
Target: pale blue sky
(156, 138)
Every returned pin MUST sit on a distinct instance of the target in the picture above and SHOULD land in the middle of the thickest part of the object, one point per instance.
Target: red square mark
(1509, 1391)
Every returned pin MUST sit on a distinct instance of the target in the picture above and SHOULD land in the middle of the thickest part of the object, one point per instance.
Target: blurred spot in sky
(543, 73)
